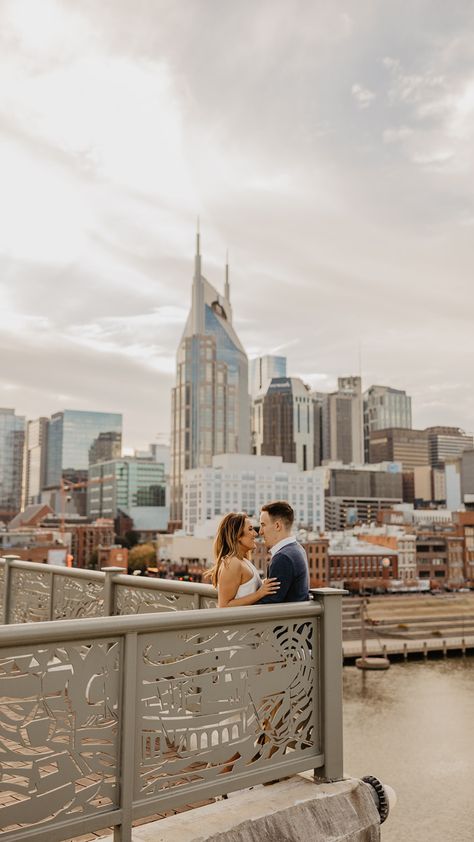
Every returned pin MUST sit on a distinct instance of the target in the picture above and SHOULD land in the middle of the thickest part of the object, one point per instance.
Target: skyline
(328, 148)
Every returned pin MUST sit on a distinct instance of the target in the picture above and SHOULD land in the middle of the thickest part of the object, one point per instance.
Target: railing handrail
(164, 584)
(55, 569)
(171, 585)
(50, 630)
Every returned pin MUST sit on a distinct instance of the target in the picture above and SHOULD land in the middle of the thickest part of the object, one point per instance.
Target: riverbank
(410, 626)
(418, 648)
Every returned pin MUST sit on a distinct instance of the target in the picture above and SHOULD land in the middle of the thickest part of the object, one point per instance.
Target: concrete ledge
(296, 810)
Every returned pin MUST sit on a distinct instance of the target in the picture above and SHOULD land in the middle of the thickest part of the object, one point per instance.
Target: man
(289, 563)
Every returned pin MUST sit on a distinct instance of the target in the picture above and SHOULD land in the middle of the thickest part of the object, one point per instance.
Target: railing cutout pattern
(114, 718)
(59, 721)
(32, 592)
(233, 699)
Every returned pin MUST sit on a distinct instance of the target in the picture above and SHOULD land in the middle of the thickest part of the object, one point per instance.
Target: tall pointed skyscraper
(210, 406)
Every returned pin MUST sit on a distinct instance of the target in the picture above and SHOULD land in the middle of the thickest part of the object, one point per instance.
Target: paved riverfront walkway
(410, 625)
(421, 646)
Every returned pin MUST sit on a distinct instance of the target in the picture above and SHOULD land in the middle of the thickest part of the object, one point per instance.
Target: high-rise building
(384, 480)
(385, 407)
(71, 435)
(283, 416)
(447, 443)
(467, 480)
(452, 473)
(210, 407)
(35, 461)
(410, 447)
(429, 485)
(161, 453)
(12, 440)
(242, 483)
(357, 493)
(135, 487)
(320, 407)
(262, 370)
(341, 413)
(105, 447)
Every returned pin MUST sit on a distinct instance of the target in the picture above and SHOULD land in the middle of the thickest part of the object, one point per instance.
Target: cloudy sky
(328, 144)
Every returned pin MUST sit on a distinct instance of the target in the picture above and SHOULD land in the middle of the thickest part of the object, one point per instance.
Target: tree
(93, 560)
(129, 540)
(141, 557)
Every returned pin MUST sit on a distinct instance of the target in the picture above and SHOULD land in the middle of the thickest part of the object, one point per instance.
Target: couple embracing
(238, 581)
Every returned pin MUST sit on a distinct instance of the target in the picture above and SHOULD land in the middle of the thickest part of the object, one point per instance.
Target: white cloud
(396, 135)
(440, 110)
(45, 30)
(43, 216)
(135, 337)
(363, 96)
(115, 117)
(461, 121)
(119, 128)
(436, 157)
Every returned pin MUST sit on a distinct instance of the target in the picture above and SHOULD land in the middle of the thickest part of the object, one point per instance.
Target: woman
(235, 577)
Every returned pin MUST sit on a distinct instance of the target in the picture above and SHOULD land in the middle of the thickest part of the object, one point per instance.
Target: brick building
(464, 525)
(404, 544)
(440, 558)
(318, 562)
(88, 537)
(361, 566)
(38, 545)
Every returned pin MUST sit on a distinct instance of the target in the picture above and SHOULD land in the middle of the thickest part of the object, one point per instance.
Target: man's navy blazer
(290, 566)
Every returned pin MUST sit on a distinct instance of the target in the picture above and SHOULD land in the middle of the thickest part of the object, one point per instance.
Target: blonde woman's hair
(226, 542)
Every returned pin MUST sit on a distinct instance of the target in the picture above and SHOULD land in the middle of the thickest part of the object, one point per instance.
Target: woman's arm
(229, 582)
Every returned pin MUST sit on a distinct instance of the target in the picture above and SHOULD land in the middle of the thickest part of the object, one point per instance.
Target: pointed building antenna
(227, 284)
(197, 306)
(197, 257)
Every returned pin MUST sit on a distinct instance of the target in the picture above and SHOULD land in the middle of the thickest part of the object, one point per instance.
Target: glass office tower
(125, 484)
(210, 402)
(35, 460)
(385, 407)
(70, 436)
(263, 370)
(12, 440)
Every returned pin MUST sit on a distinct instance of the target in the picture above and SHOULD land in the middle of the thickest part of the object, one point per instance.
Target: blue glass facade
(70, 436)
(210, 403)
(226, 351)
(125, 484)
(12, 438)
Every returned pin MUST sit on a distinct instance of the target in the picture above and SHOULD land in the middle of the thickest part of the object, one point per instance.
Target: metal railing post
(123, 831)
(109, 589)
(51, 595)
(330, 692)
(7, 585)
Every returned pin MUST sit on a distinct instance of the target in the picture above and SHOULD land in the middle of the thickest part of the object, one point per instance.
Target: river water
(412, 726)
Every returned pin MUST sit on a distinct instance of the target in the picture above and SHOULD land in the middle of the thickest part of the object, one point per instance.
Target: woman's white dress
(252, 585)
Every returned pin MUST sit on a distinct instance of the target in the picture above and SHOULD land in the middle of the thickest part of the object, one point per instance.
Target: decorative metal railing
(31, 592)
(111, 719)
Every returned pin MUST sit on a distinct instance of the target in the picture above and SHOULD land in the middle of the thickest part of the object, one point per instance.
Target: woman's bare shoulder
(232, 564)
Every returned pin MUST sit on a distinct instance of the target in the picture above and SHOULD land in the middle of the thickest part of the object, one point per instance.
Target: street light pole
(385, 569)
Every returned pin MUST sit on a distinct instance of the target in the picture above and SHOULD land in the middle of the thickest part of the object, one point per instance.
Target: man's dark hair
(280, 510)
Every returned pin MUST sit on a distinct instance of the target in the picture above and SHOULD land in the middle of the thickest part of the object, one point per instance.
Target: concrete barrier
(295, 810)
